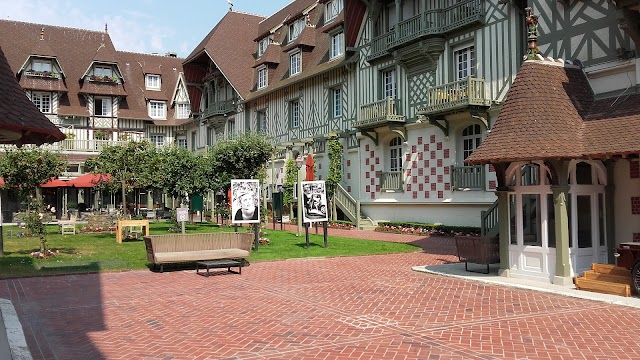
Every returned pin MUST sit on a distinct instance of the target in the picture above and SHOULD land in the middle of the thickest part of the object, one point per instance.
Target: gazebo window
(584, 174)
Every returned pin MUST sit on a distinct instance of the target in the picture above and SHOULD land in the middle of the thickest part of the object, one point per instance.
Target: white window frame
(157, 140)
(295, 29)
(295, 62)
(464, 61)
(153, 82)
(294, 114)
(395, 154)
(181, 141)
(389, 86)
(261, 121)
(42, 65)
(43, 101)
(337, 45)
(231, 128)
(262, 45)
(263, 77)
(332, 9)
(100, 70)
(336, 98)
(157, 109)
(106, 106)
(470, 140)
(183, 110)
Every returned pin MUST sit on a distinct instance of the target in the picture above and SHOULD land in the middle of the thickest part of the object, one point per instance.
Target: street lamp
(299, 162)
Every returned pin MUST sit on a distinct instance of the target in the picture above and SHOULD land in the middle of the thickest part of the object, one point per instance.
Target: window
(103, 71)
(41, 65)
(211, 136)
(231, 129)
(395, 148)
(157, 110)
(332, 9)
(336, 102)
(262, 45)
(471, 139)
(42, 100)
(152, 82)
(294, 114)
(157, 140)
(183, 111)
(261, 121)
(389, 83)
(464, 59)
(337, 45)
(295, 63)
(181, 141)
(262, 77)
(296, 28)
(102, 107)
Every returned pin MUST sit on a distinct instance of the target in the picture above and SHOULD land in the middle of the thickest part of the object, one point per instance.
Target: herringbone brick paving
(365, 307)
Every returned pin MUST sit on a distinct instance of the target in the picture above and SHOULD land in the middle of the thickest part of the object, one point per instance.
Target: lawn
(93, 252)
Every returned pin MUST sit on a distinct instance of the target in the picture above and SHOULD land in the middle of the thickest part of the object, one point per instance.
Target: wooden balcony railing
(438, 22)
(455, 95)
(83, 145)
(379, 113)
(468, 177)
(220, 108)
(391, 181)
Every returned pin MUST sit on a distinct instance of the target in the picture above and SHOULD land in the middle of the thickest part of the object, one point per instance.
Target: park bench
(181, 248)
(478, 250)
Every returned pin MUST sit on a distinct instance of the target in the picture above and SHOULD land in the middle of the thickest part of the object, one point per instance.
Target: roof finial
(42, 33)
(532, 35)
(106, 29)
(230, 5)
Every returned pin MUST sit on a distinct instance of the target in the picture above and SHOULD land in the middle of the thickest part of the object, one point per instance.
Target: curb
(13, 344)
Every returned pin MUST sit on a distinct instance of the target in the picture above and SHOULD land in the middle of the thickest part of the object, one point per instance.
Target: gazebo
(20, 120)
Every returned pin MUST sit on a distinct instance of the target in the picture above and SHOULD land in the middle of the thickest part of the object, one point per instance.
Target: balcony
(93, 146)
(468, 177)
(455, 96)
(379, 113)
(428, 24)
(391, 181)
(220, 108)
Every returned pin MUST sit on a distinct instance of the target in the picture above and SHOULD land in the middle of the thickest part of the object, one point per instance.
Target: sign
(245, 201)
(285, 219)
(182, 214)
(314, 201)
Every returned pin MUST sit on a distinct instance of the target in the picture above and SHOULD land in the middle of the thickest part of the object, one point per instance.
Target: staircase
(489, 225)
(351, 208)
(606, 279)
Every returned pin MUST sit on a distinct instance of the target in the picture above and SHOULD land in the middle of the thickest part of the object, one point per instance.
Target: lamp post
(299, 162)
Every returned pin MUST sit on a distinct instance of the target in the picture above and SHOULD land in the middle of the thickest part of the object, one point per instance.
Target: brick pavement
(365, 307)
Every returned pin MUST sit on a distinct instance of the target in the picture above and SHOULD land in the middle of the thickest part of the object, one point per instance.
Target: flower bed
(427, 229)
(337, 224)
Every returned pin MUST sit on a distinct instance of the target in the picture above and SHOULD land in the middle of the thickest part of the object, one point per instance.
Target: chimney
(171, 54)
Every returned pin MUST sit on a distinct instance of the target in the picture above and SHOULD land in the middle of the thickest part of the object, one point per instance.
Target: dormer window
(332, 9)
(262, 77)
(157, 109)
(262, 45)
(337, 44)
(103, 73)
(295, 63)
(41, 65)
(152, 82)
(41, 68)
(295, 29)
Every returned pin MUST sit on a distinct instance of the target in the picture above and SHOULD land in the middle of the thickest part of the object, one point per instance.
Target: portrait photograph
(314, 201)
(245, 201)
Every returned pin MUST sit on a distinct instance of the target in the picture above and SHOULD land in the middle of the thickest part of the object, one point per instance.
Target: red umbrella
(88, 180)
(54, 183)
(310, 170)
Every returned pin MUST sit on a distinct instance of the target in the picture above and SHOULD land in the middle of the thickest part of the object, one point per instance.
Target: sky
(144, 26)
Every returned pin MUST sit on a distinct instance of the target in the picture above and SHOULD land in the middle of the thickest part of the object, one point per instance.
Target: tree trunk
(43, 245)
(124, 201)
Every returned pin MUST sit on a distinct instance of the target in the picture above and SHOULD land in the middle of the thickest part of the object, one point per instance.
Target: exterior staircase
(489, 225)
(351, 208)
(606, 279)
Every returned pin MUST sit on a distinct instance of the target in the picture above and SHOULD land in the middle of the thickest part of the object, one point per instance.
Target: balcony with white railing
(391, 181)
(430, 23)
(78, 145)
(468, 177)
(455, 96)
(379, 113)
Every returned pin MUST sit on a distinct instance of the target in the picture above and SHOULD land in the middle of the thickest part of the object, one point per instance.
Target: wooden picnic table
(121, 224)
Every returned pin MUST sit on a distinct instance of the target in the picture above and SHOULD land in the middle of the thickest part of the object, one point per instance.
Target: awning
(54, 183)
(88, 180)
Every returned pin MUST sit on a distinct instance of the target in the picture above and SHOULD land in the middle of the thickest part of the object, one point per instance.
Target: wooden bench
(177, 248)
(67, 227)
(478, 250)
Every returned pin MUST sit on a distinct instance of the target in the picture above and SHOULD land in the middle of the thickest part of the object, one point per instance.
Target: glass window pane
(531, 225)
(601, 219)
(551, 222)
(583, 174)
(512, 220)
(584, 221)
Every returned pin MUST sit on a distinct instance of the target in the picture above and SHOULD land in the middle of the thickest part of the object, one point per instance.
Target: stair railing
(348, 205)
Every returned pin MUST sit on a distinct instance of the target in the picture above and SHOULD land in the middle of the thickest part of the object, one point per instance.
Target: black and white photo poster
(245, 201)
(314, 201)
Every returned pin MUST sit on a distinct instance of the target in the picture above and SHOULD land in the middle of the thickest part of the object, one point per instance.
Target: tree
(290, 179)
(181, 172)
(25, 168)
(335, 169)
(131, 165)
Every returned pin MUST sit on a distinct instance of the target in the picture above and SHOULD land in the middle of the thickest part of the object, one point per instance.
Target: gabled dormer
(42, 67)
(104, 73)
(180, 99)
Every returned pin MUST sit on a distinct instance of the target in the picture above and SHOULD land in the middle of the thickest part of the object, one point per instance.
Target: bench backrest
(195, 242)
(481, 250)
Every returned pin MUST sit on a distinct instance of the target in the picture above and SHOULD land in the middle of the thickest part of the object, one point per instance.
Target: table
(212, 264)
(121, 224)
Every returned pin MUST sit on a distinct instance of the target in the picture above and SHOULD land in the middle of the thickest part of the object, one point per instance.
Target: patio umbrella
(88, 180)
(54, 183)
(310, 176)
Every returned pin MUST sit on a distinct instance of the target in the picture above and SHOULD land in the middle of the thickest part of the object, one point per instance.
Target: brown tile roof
(293, 10)
(271, 55)
(550, 112)
(43, 84)
(74, 49)
(18, 115)
(230, 45)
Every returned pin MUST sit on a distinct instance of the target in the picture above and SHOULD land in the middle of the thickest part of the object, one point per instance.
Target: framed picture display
(245, 201)
(314, 201)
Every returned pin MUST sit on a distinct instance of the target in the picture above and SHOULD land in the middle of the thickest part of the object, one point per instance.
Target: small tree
(290, 179)
(335, 170)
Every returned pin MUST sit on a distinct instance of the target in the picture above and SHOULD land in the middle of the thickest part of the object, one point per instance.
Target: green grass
(93, 252)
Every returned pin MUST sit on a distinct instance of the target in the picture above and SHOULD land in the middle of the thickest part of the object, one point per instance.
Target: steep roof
(230, 46)
(20, 120)
(550, 112)
(287, 13)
